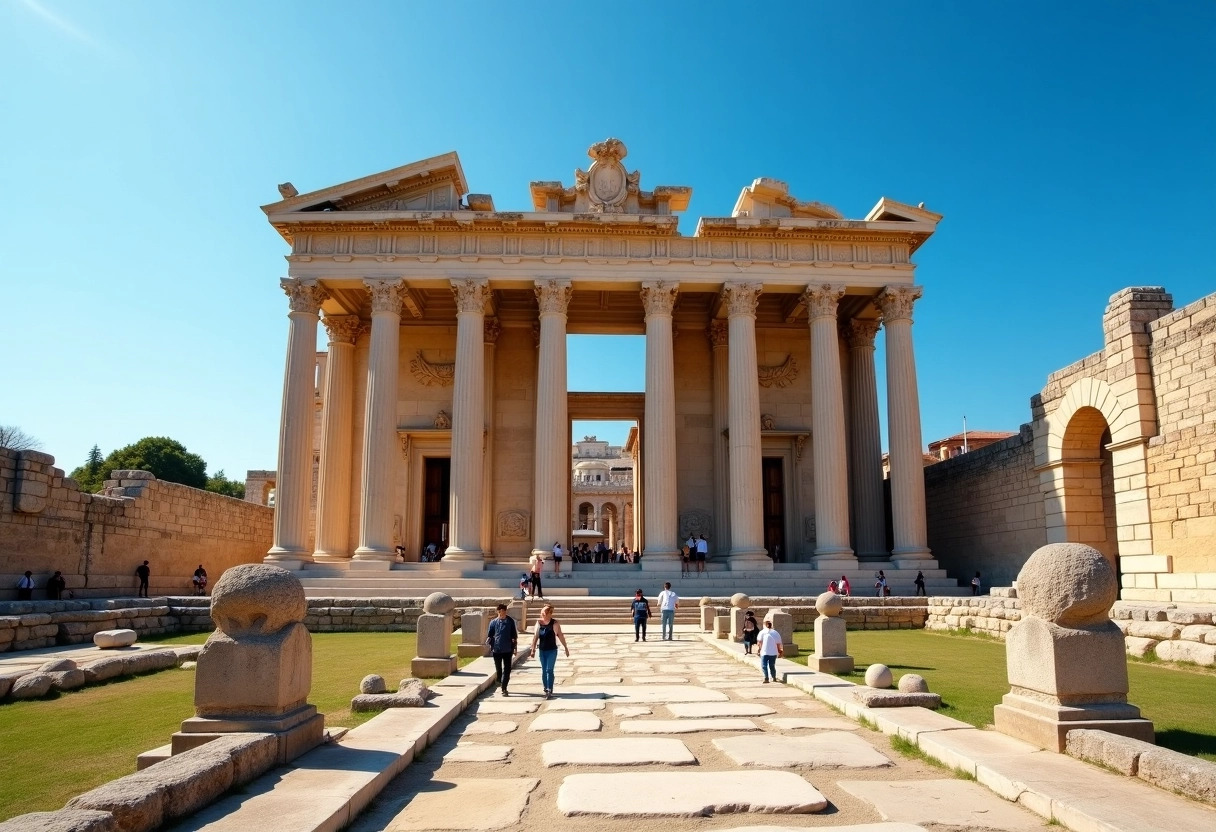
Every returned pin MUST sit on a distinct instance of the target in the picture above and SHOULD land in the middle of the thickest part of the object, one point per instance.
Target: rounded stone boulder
(438, 603)
(706, 601)
(829, 604)
(740, 601)
(373, 683)
(110, 639)
(257, 599)
(57, 666)
(913, 683)
(1068, 584)
(878, 676)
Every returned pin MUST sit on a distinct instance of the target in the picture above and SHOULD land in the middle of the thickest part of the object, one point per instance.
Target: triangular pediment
(771, 198)
(435, 184)
(888, 210)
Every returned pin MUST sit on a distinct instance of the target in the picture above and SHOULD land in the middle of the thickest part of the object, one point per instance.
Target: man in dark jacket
(503, 638)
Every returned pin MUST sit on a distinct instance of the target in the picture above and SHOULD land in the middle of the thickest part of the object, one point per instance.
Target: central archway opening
(1089, 484)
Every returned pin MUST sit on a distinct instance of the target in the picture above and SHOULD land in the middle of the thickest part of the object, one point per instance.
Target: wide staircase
(607, 580)
(599, 610)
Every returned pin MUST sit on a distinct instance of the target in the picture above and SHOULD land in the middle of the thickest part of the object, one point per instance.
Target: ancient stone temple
(446, 415)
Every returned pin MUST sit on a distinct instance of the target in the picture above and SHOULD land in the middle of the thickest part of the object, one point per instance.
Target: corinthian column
(468, 420)
(827, 430)
(662, 550)
(552, 426)
(333, 481)
(490, 333)
(380, 424)
(746, 480)
(865, 464)
(903, 427)
(293, 486)
(721, 403)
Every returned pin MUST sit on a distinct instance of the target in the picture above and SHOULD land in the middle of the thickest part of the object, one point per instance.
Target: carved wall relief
(695, 522)
(513, 525)
(432, 374)
(780, 375)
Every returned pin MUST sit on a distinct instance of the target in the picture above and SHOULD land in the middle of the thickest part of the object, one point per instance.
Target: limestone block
(830, 637)
(1188, 617)
(434, 668)
(372, 683)
(67, 679)
(103, 669)
(434, 635)
(1073, 665)
(1104, 748)
(1159, 630)
(1170, 770)
(31, 686)
(895, 699)
(65, 820)
(737, 615)
(109, 639)
(721, 626)
(1139, 647)
(1197, 632)
(878, 676)
(707, 618)
(57, 665)
(1187, 651)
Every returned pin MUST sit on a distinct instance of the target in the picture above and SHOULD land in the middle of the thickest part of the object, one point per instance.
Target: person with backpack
(640, 608)
(750, 632)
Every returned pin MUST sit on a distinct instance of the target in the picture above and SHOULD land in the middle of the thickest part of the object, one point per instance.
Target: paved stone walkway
(671, 735)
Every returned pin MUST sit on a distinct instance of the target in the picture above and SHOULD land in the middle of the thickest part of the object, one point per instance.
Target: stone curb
(14, 684)
(1190, 776)
(1057, 787)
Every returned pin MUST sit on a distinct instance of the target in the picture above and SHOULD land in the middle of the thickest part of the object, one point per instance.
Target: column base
(292, 561)
(331, 557)
(368, 554)
(755, 560)
(1047, 726)
(872, 557)
(463, 556)
(833, 563)
(371, 566)
(660, 561)
(916, 561)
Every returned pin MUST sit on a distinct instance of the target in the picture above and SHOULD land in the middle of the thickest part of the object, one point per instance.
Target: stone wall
(96, 540)
(985, 511)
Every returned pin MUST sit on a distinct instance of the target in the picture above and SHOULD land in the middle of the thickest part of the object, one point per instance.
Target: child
(524, 583)
(684, 562)
(750, 632)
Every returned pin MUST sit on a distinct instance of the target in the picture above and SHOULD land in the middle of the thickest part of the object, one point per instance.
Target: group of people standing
(694, 554)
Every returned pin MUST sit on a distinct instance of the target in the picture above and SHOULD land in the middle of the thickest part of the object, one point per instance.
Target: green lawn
(969, 673)
(53, 749)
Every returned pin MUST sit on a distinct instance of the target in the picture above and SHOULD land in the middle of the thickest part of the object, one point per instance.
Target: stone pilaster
(294, 485)
(746, 481)
(903, 428)
(718, 341)
(832, 550)
(380, 424)
(490, 332)
(468, 421)
(662, 550)
(334, 477)
(552, 472)
(865, 464)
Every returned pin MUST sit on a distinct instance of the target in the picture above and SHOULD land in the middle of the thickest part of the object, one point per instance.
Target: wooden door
(436, 499)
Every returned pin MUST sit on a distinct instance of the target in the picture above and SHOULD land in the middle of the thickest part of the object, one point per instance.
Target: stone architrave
(434, 659)
(659, 492)
(294, 485)
(473, 626)
(783, 623)
(831, 650)
(1066, 659)
(255, 671)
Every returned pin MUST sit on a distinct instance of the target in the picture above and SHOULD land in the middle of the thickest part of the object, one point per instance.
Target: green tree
(167, 458)
(91, 475)
(220, 484)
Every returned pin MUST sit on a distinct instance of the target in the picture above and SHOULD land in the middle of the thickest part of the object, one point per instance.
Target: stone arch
(1093, 474)
(586, 515)
(609, 523)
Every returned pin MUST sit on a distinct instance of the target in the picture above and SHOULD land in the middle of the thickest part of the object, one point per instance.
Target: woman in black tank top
(546, 635)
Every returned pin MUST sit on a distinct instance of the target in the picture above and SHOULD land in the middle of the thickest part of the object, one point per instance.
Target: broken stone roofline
(434, 193)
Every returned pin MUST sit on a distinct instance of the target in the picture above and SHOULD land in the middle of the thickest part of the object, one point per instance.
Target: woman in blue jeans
(548, 633)
(640, 608)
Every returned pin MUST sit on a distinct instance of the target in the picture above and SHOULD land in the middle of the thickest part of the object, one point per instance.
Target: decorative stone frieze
(513, 525)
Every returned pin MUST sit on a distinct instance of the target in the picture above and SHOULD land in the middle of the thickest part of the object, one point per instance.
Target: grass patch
(95, 732)
(912, 751)
(969, 673)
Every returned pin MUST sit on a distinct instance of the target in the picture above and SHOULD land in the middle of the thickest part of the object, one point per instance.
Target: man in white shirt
(770, 647)
(669, 602)
(702, 553)
(557, 559)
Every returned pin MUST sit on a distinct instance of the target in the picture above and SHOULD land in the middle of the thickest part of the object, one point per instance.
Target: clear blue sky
(1069, 145)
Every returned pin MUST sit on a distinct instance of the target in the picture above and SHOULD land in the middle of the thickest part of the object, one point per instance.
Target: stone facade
(96, 540)
(1124, 460)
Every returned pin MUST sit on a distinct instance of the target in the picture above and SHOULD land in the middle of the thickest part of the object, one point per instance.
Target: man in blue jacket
(503, 638)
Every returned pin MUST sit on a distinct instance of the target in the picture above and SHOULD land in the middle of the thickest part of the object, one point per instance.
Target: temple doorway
(773, 479)
(436, 500)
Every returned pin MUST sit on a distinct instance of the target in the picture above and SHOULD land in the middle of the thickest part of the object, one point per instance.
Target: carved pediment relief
(607, 187)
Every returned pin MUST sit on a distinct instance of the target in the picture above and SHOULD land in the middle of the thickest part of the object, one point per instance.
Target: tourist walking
(557, 559)
(640, 608)
(55, 585)
(844, 585)
(25, 587)
(536, 564)
(770, 645)
(547, 634)
(880, 585)
(702, 553)
(200, 580)
(143, 573)
(669, 602)
(751, 631)
(920, 583)
(975, 584)
(502, 637)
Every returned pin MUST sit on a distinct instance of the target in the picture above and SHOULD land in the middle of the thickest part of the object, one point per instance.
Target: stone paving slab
(775, 690)
(650, 694)
(630, 711)
(812, 723)
(703, 710)
(473, 752)
(946, 802)
(910, 723)
(499, 726)
(687, 794)
(566, 721)
(497, 706)
(861, 827)
(599, 680)
(617, 751)
(560, 704)
(465, 804)
(658, 679)
(685, 726)
(830, 749)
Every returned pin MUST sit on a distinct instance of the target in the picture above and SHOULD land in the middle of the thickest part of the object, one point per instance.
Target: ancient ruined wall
(1181, 459)
(97, 540)
(985, 510)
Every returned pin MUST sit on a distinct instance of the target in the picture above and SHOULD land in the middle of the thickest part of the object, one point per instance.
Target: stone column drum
(255, 671)
(662, 549)
(831, 650)
(294, 485)
(552, 466)
(717, 333)
(865, 449)
(435, 659)
(334, 477)
(468, 422)
(1066, 661)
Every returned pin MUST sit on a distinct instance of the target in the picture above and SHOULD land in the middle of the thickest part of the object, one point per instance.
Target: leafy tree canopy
(167, 458)
(220, 484)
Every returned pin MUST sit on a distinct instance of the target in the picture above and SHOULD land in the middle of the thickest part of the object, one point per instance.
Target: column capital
(471, 295)
(860, 332)
(895, 302)
(343, 329)
(386, 295)
(741, 298)
(717, 332)
(822, 299)
(304, 297)
(490, 330)
(659, 296)
(553, 296)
